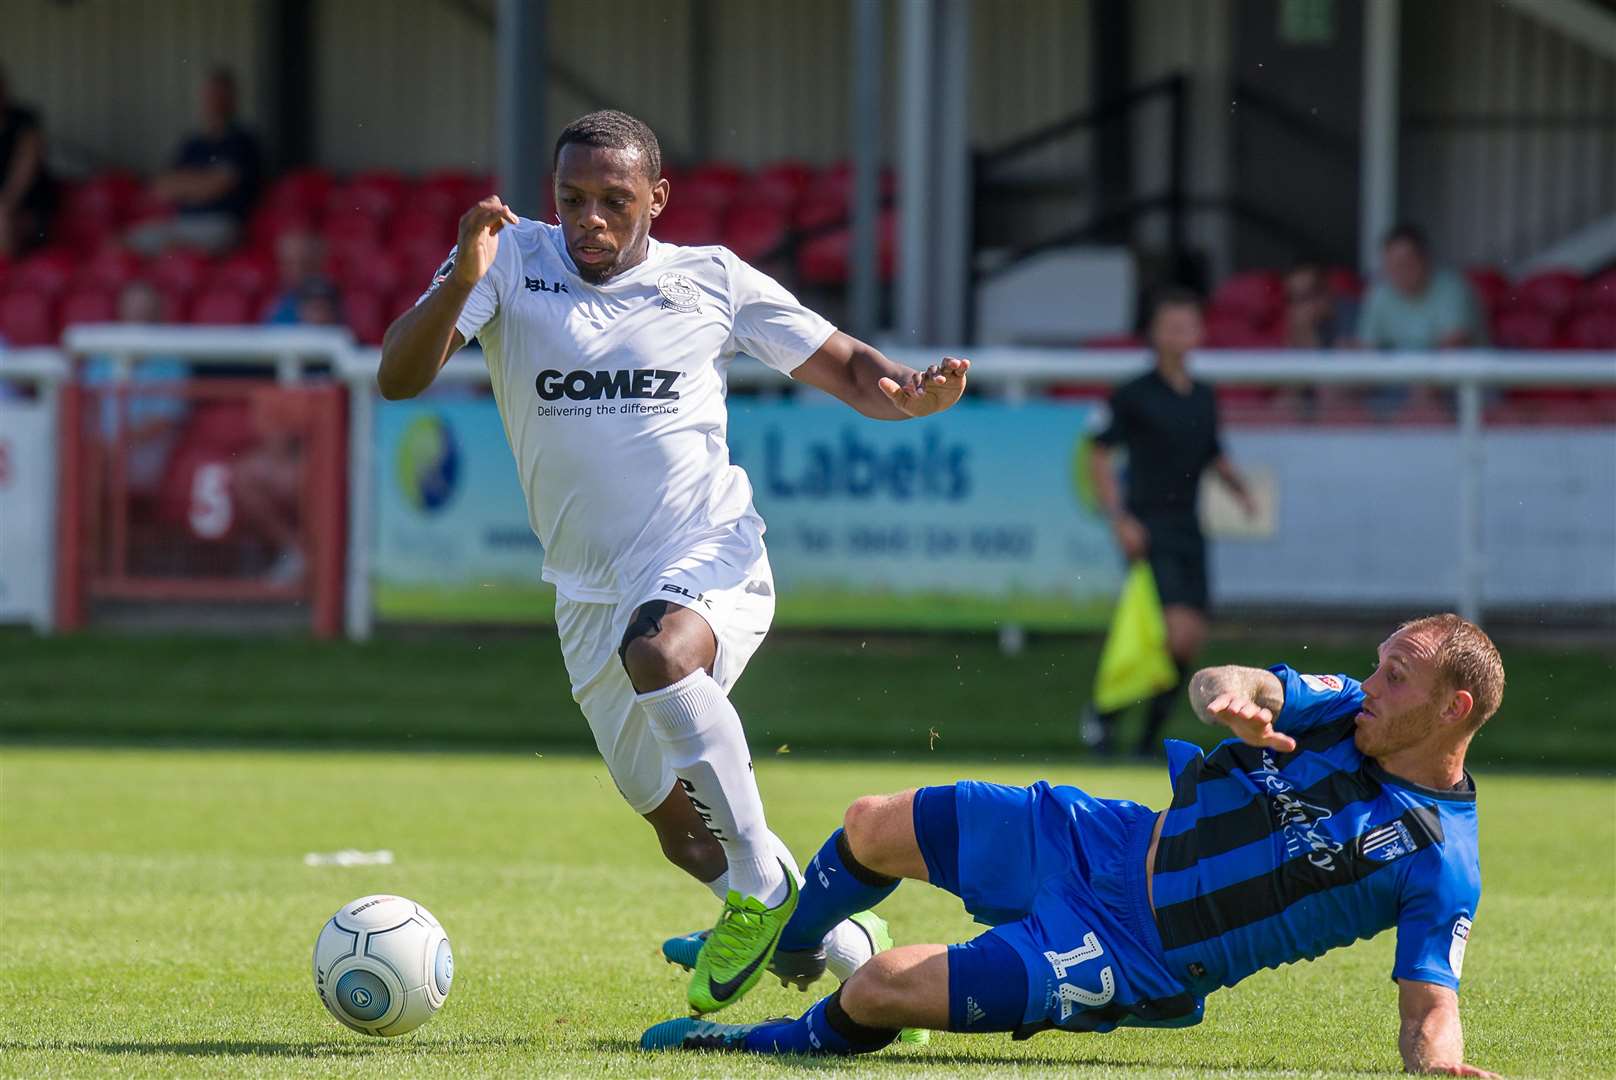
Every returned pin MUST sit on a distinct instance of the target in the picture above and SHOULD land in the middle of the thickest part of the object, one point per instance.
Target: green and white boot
(738, 949)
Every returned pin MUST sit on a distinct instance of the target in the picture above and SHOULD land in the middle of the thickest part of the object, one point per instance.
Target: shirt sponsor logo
(1298, 821)
(679, 293)
(1324, 684)
(1456, 949)
(552, 385)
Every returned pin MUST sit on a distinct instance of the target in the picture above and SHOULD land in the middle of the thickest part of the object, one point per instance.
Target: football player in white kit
(607, 351)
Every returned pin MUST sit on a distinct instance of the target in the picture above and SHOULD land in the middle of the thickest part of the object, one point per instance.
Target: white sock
(719, 886)
(701, 733)
(847, 948)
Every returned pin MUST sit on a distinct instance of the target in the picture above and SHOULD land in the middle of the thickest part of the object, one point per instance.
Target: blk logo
(538, 284)
(552, 385)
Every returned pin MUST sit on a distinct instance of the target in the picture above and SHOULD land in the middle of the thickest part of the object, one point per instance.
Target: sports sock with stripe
(701, 733)
(835, 886)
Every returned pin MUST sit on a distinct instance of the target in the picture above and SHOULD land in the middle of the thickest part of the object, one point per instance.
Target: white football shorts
(729, 583)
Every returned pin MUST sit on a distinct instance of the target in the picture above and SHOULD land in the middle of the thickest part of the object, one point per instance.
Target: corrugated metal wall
(1489, 188)
(117, 80)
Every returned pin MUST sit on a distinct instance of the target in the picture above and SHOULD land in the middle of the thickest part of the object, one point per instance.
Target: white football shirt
(612, 397)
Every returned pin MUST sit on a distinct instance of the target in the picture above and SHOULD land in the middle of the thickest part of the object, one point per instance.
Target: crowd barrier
(977, 519)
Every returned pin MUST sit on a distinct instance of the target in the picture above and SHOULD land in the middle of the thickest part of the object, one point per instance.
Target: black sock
(1156, 715)
(861, 873)
(862, 1039)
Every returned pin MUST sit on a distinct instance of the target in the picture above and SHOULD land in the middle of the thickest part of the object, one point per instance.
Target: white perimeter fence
(1415, 503)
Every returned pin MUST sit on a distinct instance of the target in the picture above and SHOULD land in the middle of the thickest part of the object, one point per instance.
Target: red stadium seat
(269, 221)
(714, 184)
(356, 230)
(784, 182)
(1598, 293)
(1258, 296)
(1552, 292)
(366, 315)
(374, 270)
(1115, 341)
(245, 271)
(1524, 328)
(822, 209)
(97, 208)
(1591, 330)
(223, 307)
(1225, 330)
(377, 193)
(1343, 283)
(90, 304)
(1492, 287)
(418, 226)
(46, 271)
(687, 223)
(28, 317)
(825, 259)
(754, 230)
(180, 270)
(110, 266)
(302, 191)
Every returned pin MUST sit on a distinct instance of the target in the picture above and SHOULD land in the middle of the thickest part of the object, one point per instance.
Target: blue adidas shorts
(1060, 876)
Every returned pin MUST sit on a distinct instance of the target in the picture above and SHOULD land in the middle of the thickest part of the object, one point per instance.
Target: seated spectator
(27, 192)
(1312, 319)
(1415, 306)
(212, 182)
(307, 297)
(150, 424)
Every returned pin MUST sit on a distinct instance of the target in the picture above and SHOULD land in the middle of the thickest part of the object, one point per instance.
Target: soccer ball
(382, 965)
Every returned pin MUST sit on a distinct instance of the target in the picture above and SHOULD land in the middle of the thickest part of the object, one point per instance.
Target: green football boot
(739, 948)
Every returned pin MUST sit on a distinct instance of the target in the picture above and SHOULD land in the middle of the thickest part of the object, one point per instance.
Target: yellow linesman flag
(1135, 663)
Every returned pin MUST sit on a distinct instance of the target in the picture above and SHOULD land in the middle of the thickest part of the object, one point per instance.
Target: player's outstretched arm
(848, 369)
(1429, 1037)
(421, 340)
(1245, 700)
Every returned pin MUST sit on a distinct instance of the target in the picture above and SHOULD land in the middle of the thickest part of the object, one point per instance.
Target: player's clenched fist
(1251, 723)
(929, 391)
(479, 238)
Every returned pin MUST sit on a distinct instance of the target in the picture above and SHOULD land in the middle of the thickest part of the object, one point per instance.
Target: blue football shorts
(1060, 876)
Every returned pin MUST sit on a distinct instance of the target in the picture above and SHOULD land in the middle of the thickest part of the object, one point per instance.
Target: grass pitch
(158, 919)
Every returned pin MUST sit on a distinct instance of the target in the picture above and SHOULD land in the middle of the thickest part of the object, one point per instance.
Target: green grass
(818, 695)
(158, 917)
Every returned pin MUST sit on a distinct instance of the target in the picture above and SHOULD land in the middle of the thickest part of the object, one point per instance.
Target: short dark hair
(1173, 296)
(1406, 232)
(613, 130)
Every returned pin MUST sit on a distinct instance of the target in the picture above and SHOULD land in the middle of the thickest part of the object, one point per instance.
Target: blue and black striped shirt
(1267, 858)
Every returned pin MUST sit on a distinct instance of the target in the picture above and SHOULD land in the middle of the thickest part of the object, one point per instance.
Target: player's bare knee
(861, 823)
(658, 649)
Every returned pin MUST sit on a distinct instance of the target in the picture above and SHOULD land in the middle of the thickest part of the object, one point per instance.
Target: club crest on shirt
(679, 293)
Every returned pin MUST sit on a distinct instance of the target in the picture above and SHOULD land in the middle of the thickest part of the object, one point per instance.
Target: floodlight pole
(864, 281)
(1377, 184)
(521, 72)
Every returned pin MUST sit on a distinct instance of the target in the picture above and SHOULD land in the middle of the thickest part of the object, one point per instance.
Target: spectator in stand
(151, 423)
(27, 192)
(1312, 318)
(1416, 306)
(307, 296)
(212, 182)
(1167, 422)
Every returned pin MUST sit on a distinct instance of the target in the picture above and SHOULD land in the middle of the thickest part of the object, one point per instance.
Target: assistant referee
(1168, 424)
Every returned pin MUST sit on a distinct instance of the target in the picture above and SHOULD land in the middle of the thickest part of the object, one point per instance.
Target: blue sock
(823, 1029)
(836, 886)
